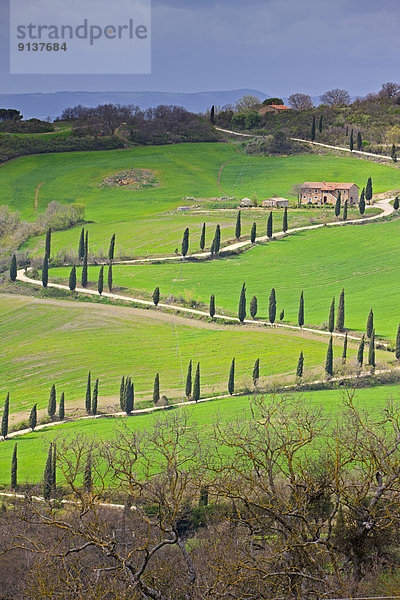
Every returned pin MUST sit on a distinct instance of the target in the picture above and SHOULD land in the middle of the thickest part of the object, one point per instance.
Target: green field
(32, 448)
(365, 260)
(138, 216)
(46, 342)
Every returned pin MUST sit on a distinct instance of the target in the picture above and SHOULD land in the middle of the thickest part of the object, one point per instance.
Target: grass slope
(137, 216)
(365, 260)
(32, 448)
(46, 342)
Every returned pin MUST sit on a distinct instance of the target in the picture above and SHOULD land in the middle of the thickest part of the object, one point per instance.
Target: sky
(276, 46)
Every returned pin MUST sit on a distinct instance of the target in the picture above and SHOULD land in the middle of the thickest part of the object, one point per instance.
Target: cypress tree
(256, 371)
(84, 278)
(331, 321)
(368, 190)
(345, 211)
(111, 249)
(361, 203)
(156, 389)
(125, 394)
(242, 304)
(300, 318)
(14, 469)
(340, 312)
(156, 296)
(397, 351)
(253, 233)
(238, 226)
(347, 130)
(329, 358)
(371, 352)
(396, 203)
(100, 281)
(300, 366)
(54, 469)
(212, 249)
(72, 279)
(45, 271)
(129, 396)
(282, 314)
(47, 476)
(47, 246)
(217, 239)
(88, 397)
(81, 246)
(320, 124)
(360, 353)
(212, 114)
(110, 277)
(87, 243)
(33, 417)
(253, 307)
(231, 380)
(188, 387)
(61, 408)
(196, 384)
(393, 154)
(4, 418)
(121, 393)
(185, 242)
(52, 405)
(13, 268)
(95, 397)
(285, 221)
(313, 129)
(359, 141)
(203, 237)
(269, 225)
(272, 306)
(370, 323)
(87, 476)
(351, 141)
(337, 205)
(344, 354)
(212, 306)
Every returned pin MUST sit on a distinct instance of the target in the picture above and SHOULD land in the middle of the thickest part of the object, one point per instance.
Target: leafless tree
(335, 97)
(300, 101)
(247, 103)
(389, 90)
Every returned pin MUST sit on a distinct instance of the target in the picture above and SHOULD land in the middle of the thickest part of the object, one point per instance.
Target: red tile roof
(327, 185)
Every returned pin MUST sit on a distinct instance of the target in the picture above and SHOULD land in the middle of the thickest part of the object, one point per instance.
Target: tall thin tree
(253, 233)
(47, 475)
(100, 281)
(371, 352)
(14, 469)
(5, 416)
(313, 129)
(111, 249)
(212, 306)
(345, 210)
(253, 307)
(47, 246)
(300, 366)
(370, 323)
(13, 268)
(337, 205)
(368, 190)
(156, 389)
(203, 237)
(269, 225)
(242, 304)
(156, 296)
(285, 221)
(196, 384)
(331, 320)
(256, 371)
(361, 202)
(360, 353)
(300, 318)
(272, 306)
(397, 350)
(359, 141)
(329, 358)
(110, 277)
(238, 226)
(84, 276)
(188, 386)
(45, 271)
(340, 312)
(72, 279)
(185, 242)
(61, 408)
(88, 397)
(95, 397)
(81, 245)
(52, 405)
(231, 380)
(351, 141)
(344, 353)
(33, 417)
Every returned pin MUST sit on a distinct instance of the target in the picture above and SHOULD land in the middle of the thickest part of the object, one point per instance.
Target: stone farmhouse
(276, 202)
(323, 192)
(274, 108)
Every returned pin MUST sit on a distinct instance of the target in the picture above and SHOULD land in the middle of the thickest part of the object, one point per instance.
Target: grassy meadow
(32, 448)
(141, 218)
(364, 260)
(46, 342)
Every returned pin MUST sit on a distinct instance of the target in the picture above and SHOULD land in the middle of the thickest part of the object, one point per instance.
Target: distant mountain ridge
(43, 105)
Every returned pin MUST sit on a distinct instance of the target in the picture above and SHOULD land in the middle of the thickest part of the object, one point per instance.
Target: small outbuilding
(276, 202)
(246, 202)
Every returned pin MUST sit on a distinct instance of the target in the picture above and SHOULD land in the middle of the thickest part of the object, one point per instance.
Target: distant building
(183, 208)
(323, 192)
(276, 202)
(274, 108)
(246, 202)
